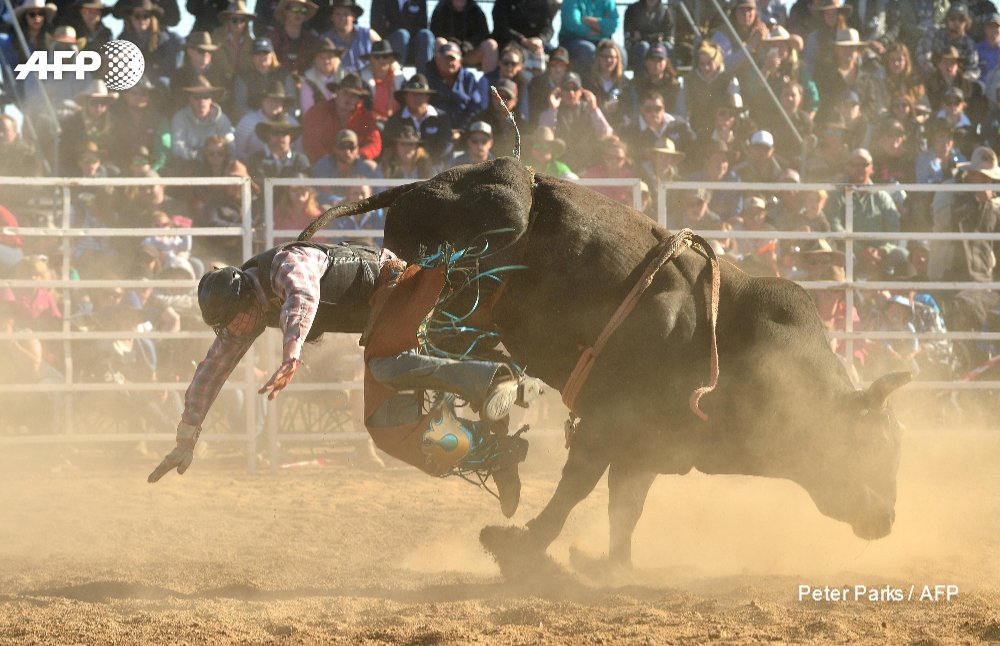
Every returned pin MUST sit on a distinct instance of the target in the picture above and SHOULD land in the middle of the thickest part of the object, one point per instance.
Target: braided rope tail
(510, 118)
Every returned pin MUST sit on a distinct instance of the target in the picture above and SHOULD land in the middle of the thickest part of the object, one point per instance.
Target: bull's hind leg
(587, 462)
(627, 490)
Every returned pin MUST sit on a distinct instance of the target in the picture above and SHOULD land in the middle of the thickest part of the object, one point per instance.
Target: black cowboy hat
(276, 89)
(124, 10)
(417, 84)
(93, 4)
(350, 4)
(408, 134)
(352, 84)
(381, 48)
(327, 45)
(281, 125)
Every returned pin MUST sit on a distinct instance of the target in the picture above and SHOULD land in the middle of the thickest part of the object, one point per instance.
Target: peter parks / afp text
(933, 593)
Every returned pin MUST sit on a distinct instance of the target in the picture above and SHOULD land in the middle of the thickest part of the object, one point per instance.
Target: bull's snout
(877, 521)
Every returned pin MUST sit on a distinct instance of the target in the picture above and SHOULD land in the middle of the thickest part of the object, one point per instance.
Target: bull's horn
(378, 201)
(877, 394)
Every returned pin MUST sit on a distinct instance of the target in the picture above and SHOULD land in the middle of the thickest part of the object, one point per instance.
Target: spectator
(345, 161)
(293, 42)
(757, 256)
(167, 11)
(478, 145)
(951, 34)
(174, 248)
(786, 202)
(346, 109)
(25, 362)
(198, 61)
(137, 121)
(606, 79)
(277, 159)
(201, 118)
(346, 34)
(544, 152)
(360, 221)
(90, 163)
(946, 77)
(464, 22)
(812, 216)
(899, 75)
(873, 210)
(144, 20)
(614, 164)
(653, 125)
(584, 24)
(142, 161)
(849, 75)
(405, 156)
(787, 149)
(38, 306)
(939, 161)
(647, 23)
(434, 126)
(896, 354)
(988, 49)
(904, 110)
(296, 208)
(143, 200)
(207, 14)
(893, 158)
(574, 115)
(44, 96)
(829, 17)
(855, 121)
(696, 214)
(458, 92)
(779, 62)
(527, 23)
(659, 166)
(35, 18)
(272, 105)
(991, 123)
(11, 246)
(384, 78)
(826, 163)
(750, 29)
(511, 67)
(953, 111)
(542, 85)
(497, 116)
(92, 123)
(732, 126)
(254, 82)
(760, 164)
(16, 157)
(657, 74)
(87, 18)
(404, 25)
(706, 87)
(715, 167)
(235, 40)
(326, 70)
(214, 160)
(223, 208)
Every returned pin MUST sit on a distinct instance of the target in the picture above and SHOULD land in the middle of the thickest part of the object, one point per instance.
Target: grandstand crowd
(857, 92)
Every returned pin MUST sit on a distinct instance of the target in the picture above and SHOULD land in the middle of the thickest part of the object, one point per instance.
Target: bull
(784, 405)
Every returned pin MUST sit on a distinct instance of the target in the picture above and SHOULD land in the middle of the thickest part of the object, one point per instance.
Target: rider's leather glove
(182, 455)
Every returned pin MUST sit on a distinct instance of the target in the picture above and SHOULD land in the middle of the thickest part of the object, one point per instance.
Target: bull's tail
(378, 201)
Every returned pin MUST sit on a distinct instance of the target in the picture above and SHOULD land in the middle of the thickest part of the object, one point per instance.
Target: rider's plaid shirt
(295, 276)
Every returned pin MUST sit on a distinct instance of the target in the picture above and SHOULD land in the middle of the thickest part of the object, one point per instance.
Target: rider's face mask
(250, 320)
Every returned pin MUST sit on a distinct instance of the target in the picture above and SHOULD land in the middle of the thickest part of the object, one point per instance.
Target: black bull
(784, 406)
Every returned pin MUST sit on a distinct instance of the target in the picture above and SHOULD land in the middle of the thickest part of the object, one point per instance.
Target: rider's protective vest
(346, 288)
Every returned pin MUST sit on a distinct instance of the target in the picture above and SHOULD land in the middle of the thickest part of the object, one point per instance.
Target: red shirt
(320, 126)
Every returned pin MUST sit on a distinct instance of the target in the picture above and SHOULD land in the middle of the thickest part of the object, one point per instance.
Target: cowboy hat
(350, 4)
(381, 48)
(822, 251)
(408, 134)
(984, 161)
(93, 4)
(275, 89)
(279, 12)
(326, 45)
(202, 85)
(95, 89)
(417, 85)
(129, 8)
(236, 8)
(49, 8)
(352, 84)
(665, 146)
(825, 5)
(779, 34)
(545, 137)
(65, 34)
(200, 40)
(280, 125)
(849, 38)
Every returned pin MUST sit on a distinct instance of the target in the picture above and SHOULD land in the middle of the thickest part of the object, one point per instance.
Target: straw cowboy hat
(236, 8)
(28, 5)
(849, 38)
(95, 89)
(409, 135)
(823, 252)
(826, 5)
(200, 40)
(65, 34)
(984, 161)
(665, 146)
(545, 137)
(279, 13)
(203, 86)
(417, 85)
(779, 34)
(281, 125)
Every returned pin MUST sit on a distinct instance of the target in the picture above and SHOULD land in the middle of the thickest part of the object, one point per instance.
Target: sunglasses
(35, 14)
(239, 20)
(299, 9)
(142, 16)
(509, 63)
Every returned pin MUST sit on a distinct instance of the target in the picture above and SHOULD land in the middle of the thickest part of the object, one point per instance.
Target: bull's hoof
(600, 570)
(522, 561)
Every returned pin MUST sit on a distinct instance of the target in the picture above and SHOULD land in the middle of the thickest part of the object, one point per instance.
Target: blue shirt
(988, 57)
(573, 26)
(358, 46)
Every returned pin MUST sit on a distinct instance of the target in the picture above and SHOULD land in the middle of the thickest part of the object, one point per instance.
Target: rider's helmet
(222, 293)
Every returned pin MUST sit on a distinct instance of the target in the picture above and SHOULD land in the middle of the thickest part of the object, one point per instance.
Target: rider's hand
(182, 455)
(281, 378)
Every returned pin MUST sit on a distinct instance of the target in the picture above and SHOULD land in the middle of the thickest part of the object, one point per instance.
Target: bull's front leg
(588, 459)
(628, 487)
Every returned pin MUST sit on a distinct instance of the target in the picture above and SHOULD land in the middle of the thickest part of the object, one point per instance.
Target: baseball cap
(572, 78)
(657, 51)
(955, 93)
(560, 54)
(346, 136)
(481, 126)
(755, 202)
(506, 85)
(762, 138)
(850, 96)
(958, 10)
(861, 153)
(450, 48)
(262, 45)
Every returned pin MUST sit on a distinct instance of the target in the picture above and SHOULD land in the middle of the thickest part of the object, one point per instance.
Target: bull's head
(855, 478)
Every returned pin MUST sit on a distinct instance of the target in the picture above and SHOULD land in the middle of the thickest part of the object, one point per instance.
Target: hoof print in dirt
(520, 559)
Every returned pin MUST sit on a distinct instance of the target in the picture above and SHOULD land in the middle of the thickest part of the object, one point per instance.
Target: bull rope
(667, 251)
(510, 118)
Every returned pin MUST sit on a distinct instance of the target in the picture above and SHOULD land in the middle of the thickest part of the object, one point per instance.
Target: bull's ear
(878, 393)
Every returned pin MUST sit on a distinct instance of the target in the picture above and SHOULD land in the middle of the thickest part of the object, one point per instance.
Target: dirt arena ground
(91, 554)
